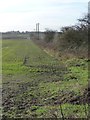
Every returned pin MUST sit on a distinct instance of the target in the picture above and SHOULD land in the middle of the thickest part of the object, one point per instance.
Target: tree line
(73, 38)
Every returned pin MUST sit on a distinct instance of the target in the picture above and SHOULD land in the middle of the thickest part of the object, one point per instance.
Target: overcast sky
(23, 15)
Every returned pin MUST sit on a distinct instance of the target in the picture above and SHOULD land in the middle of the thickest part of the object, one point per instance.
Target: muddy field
(37, 85)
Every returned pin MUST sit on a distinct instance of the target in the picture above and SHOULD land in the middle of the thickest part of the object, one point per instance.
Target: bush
(49, 35)
(74, 36)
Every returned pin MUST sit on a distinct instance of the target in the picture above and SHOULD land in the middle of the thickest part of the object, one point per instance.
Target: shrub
(74, 36)
(49, 35)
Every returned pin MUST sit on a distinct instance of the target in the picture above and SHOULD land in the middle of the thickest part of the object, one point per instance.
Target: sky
(22, 15)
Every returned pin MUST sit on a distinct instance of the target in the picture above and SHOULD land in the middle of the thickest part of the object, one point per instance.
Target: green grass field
(38, 85)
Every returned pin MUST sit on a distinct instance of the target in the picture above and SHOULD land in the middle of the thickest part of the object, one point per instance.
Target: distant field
(36, 84)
